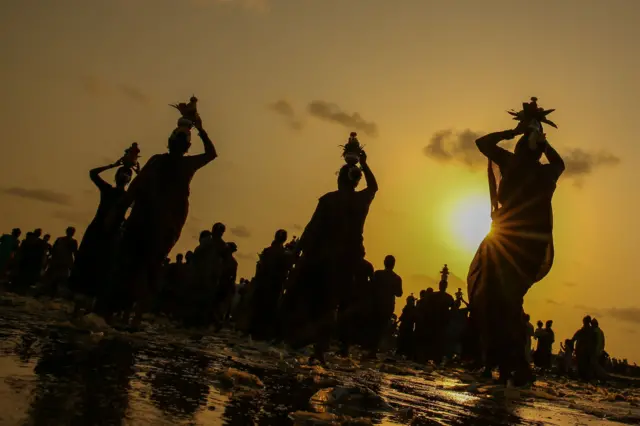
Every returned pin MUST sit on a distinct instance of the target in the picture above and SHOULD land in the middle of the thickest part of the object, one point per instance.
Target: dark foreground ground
(53, 372)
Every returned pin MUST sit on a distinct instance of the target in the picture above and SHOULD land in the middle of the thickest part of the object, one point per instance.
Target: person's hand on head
(363, 157)
(197, 122)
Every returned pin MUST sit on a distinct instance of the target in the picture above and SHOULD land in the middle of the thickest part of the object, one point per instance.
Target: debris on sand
(232, 377)
(358, 397)
(305, 418)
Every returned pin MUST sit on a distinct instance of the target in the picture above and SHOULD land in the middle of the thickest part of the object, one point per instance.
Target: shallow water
(52, 373)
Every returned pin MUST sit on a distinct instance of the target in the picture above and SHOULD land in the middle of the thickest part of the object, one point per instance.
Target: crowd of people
(320, 287)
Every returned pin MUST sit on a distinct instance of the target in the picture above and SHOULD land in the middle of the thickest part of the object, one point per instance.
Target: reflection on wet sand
(60, 375)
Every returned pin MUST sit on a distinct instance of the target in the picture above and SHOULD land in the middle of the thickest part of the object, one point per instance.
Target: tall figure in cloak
(332, 248)
(160, 199)
(518, 251)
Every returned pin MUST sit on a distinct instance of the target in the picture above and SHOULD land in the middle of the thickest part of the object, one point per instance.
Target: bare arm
(94, 175)
(372, 184)
(488, 145)
(555, 160)
(209, 154)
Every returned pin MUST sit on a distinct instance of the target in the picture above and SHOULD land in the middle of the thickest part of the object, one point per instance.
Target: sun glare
(470, 221)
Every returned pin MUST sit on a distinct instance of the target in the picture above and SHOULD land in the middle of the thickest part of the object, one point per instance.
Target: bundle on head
(352, 149)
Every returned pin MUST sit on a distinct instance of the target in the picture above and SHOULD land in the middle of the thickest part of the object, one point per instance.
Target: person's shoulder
(328, 196)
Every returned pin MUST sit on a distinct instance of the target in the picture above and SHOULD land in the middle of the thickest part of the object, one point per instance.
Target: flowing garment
(517, 253)
(160, 196)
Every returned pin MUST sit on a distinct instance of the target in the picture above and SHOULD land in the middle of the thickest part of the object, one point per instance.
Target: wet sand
(55, 373)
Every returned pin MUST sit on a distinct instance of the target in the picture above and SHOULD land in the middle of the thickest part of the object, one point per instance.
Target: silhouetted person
(31, 258)
(440, 305)
(95, 254)
(354, 309)
(423, 333)
(332, 247)
(271, 273)
(405, 330)
(9, 244)
(585, 348)
(160, 198)
(519, 250)
(62, 257)
(530, 335)
(386, 286)
(227, 284)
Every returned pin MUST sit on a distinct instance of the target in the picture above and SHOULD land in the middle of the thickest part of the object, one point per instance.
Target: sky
(281, 84)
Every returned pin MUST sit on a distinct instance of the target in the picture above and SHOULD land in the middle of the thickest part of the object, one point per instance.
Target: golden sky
(282, 83)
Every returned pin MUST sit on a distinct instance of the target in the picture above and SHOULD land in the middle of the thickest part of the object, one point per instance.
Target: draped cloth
(517, 253)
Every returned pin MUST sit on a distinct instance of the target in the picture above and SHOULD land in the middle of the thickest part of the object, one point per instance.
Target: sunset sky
(282, 83)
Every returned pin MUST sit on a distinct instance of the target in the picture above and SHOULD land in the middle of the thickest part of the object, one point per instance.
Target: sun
(470, 221)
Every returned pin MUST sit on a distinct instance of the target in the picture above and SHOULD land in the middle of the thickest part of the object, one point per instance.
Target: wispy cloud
(286, 110)
(297, 227)
(97, 86)
(42, 195)
(624, 314)
(331, 112)
(450, 146)
(240, 231)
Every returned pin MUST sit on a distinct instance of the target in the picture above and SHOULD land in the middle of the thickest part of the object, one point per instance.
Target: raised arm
(372, 184)
(94, 175)
(201, 160)
(555, 161)
(488, 145)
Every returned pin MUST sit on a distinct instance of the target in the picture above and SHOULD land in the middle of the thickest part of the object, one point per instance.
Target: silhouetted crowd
(320, 288)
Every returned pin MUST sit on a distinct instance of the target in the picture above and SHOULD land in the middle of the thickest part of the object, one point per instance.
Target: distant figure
(387, 285)
(226, 287)
(405, 330)
(585, 348)
(63, 255)
(530, 335)
(599, 334)
(31, 259)
(271, 273)
(332, 247)
(440, 307)
(160, 198)
(519, 250)
(9, 244)
(93, 260)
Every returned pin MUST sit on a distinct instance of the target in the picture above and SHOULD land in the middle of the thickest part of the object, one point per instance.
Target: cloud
(569, 284)
(331, 112)
(580, 162)
(134, 94)
(624, 314)
(240, 231)
(98, 87)
(297, 227)
(43, 195)
(286, 110)
(448, 146)
(552, 302)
